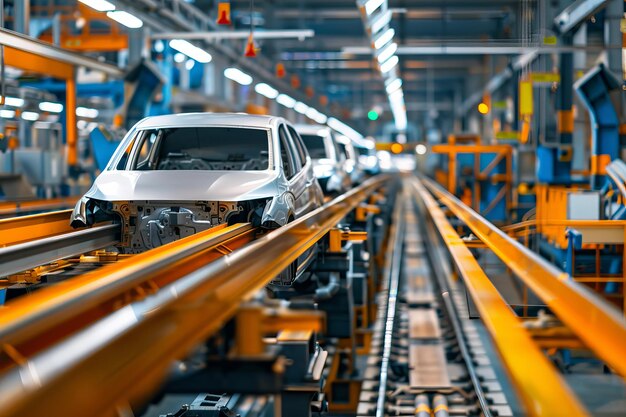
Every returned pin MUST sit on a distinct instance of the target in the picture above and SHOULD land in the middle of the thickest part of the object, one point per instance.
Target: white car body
(165, 197)
(328, 162)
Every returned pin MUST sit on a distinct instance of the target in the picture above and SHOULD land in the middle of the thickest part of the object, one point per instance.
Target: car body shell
(330, 170)
(285, 198)
(351, 164)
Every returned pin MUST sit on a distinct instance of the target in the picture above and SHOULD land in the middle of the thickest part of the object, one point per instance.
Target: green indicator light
(372, 115)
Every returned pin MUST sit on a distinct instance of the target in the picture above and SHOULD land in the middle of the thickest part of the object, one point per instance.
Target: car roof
(310, 129)
(209, 119)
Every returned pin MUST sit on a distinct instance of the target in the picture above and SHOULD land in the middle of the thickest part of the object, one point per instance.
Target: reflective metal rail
(123, 357)
(28, 255)
(9, 209)
(537, 382)
(33, 323)
(37, 226)
(391, 287)
(577, 307)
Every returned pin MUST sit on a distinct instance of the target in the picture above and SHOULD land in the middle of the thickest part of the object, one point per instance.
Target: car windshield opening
(203, 148)
(315, 146)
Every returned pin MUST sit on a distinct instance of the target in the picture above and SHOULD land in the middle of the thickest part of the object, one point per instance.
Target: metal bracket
(338, 236)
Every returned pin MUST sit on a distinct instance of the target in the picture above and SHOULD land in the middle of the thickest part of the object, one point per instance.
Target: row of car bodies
(176, 175)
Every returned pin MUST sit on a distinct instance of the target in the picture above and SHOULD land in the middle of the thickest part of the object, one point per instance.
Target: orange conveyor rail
(30, 241)
(116, 343)
(542, 390)
(599, 326)
(13, 208)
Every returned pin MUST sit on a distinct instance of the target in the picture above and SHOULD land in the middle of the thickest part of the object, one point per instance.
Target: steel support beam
(236, 34)
(30, 45)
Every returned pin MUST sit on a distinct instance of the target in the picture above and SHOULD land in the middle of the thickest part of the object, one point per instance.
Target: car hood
(184, 185)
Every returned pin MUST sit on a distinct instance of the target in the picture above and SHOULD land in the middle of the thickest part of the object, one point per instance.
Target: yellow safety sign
(508, 135)
(545, 77)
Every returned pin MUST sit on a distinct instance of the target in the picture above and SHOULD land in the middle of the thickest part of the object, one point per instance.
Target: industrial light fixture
(159, 46)
(87, 112)
(51, 107)
(190, 64)
(126, 19)
(387, 53)
(238, 76)
(372, 115)
(381, 35)
(344, 129)
(13, 101)
(300, 107)
(396, 96)
(372, 5)
(384, 38)
(7, 114)
(320, 118)
(31, 116)
(420, 149)
(191, 50)
(400, 120)
(286, 101)
(380, 22)
(389, 64)
(394, 85)
(99, 5)
(312, 113)
(266, 90)
(179, 58)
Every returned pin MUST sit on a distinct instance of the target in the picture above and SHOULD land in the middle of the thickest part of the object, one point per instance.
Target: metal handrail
(577, 307)
(124, 357)
(536, 380)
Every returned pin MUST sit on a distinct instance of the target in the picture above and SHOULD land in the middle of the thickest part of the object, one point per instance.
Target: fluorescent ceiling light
(389, 64)
(266, 91)
(30, 116)
(190, 64)
(393, 85)
(238, 76)
(159, 46)
(321, 118)
(87, 112)
(191, 50)
(99, 5)
(372, 5)
(380, 22)
(300, 107)
(396, 96)
(343, 128)
(383, 39)
(311, 113)
(125, 19)
(285, 100)
(400, 121)
(387, 53)
(7, 114)
(51, 107)
(421, 149)
(13, 101)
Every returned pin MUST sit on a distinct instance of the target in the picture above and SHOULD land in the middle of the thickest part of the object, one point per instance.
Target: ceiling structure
(353, 80)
